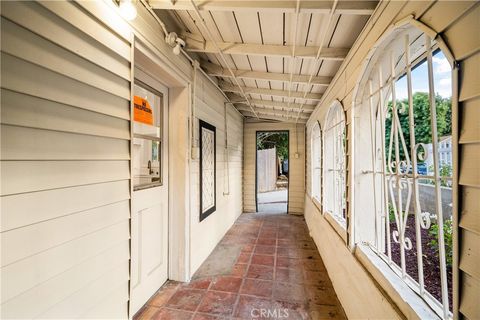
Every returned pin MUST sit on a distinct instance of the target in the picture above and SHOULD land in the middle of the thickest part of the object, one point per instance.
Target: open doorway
(272, 171)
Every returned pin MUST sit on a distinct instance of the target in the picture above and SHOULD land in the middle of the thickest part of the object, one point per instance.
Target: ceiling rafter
(287, 6)
(217, 71)
(269, 104)
(272, 117)
(227, 87)
(325, 26)
(252, 87)
(283, 105)
(219, 51)
(196, 43)
(305, 114)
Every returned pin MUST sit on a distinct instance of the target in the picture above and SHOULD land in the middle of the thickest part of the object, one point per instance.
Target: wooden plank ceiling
(271, 47)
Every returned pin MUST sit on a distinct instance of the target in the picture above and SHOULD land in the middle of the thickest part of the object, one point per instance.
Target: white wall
(65, 158)
(358, 294)
(206, 234)
(65, 166)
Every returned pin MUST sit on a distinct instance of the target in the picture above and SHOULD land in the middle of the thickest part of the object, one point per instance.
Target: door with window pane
(149, 229)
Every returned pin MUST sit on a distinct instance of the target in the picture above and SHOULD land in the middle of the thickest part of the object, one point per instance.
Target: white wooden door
(149, 228)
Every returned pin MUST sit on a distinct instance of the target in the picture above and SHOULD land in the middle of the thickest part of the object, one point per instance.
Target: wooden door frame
(152, 62)
(287, 131)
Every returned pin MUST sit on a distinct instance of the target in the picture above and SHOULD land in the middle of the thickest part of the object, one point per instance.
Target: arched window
(316, 147)
(334, 140)
(403, 196)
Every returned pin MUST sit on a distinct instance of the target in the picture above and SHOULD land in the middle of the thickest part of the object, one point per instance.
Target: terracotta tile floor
(277, 273)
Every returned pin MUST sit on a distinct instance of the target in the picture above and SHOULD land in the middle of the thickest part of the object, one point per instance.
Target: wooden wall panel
(21, 143)
(470, 78)
(28, 176)
(470, 131)
(471, 295)
(468, 48)
(463, 47)
(469, 255)
(458, 21)
(31, 79)
(18, 278)
(48, 25)
(444, 13)
(206, 234)
(27, 111)
(469, 171)
(65, 163)
(470, 213)
(17, 209)
(26, 45)
(55, 290)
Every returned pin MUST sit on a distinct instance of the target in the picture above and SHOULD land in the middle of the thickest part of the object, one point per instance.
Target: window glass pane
(146, 153)
(146, 163)
(442, 78)
(408, 187)
(399, 206)
(316, 161)
(147, 110)
(334, 164)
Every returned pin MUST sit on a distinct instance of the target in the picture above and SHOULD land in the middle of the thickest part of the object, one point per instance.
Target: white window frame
(334, 168)
(398, 67)
(316, 162)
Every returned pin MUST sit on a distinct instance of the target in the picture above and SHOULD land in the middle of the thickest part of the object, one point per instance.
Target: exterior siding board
(458, 21)
(64, 163)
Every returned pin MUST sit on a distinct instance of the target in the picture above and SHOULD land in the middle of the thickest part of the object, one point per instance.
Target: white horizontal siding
(29, 111)
(65, 163)
(28, 176)
(21, 143)
(51, 293)
(28, 78)
(17, 209)
(466, 49)
(48, 25)
(19, 278)
(206, 234)
(26, 45)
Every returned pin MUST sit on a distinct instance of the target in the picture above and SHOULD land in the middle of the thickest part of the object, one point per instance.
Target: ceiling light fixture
(174, 41)
(128, 9)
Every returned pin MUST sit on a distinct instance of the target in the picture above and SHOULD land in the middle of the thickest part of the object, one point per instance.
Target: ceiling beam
(195, 43)
(227, 87)
(277, 104)
(293, 114)
(218, 71)
(308, 6)
(271, 117)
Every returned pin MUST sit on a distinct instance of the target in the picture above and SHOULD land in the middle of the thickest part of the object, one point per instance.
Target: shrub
(447, 235)
(445, 171)
(391, 213)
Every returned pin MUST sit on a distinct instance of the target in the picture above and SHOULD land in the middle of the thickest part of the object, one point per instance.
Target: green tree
(268, 140)
(421, 110)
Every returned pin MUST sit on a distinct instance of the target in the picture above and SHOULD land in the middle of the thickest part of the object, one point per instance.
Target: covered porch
(266, 266)
(129, 173)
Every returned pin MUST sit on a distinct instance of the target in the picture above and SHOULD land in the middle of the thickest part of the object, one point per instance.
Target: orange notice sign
(142, 112)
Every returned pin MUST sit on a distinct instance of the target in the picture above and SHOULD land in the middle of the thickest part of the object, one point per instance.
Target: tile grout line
(245, 274)
(203, 297)
(274, 280)
(293, 249)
